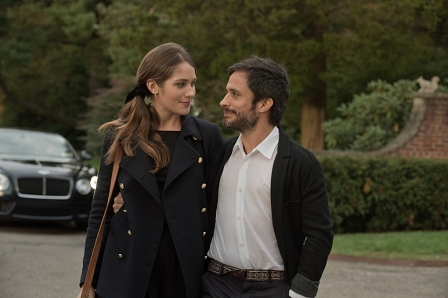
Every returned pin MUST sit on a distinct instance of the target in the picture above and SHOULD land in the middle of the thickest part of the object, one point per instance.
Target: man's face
(239, 112)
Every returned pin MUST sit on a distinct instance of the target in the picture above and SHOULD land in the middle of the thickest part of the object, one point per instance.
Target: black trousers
(222, 286)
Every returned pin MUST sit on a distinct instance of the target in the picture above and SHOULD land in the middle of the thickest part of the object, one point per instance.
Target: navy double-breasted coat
(133, 234)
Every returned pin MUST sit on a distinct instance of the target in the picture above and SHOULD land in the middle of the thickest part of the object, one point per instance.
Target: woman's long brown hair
(137, 121)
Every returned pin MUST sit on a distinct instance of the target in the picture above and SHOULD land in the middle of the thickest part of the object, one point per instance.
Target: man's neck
(253, 138)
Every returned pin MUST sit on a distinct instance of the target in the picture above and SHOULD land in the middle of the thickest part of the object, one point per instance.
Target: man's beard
(244, 122)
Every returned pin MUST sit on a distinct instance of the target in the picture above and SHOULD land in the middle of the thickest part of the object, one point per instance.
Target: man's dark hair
(266, 79)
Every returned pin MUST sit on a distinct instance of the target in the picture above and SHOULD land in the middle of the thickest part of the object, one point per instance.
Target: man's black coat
(300, 213)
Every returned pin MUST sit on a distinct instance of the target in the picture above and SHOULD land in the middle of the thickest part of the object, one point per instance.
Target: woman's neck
(172, 123)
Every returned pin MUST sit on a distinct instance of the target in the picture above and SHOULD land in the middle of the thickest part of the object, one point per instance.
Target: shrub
(371, 120)
(373, 194)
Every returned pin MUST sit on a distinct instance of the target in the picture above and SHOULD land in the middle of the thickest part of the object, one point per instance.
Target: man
(273, 231)
(270, 228)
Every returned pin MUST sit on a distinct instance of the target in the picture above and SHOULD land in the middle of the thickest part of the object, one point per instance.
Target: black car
(42, 178)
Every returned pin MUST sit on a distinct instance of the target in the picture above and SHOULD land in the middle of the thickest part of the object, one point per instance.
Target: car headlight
(93, 181)
(4, 182)
(83, 186)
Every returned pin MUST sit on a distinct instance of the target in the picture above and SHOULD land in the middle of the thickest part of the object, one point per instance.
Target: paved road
(44, 261)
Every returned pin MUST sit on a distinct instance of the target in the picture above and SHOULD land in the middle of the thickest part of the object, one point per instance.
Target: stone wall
(424, 136)
(426, 133)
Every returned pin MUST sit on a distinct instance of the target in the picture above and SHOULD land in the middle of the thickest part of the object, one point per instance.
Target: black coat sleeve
(97, 211)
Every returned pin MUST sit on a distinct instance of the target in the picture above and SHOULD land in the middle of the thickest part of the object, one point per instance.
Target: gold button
(120, 256)
(194, 138)
(203, 210)
(200, 160)
(124, 210)
(203, 233)
(129, 232)
(121, 185)
(203, 185)
(205, 257)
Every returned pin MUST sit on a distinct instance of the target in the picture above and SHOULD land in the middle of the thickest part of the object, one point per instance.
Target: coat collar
(184, 156)
(283, 145)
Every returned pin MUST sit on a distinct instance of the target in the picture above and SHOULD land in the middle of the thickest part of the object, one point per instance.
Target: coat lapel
(138, 167)
(184, 154)
(278, 179)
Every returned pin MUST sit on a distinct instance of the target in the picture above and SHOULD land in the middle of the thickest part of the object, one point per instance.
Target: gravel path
(364, 279)
(44, 261)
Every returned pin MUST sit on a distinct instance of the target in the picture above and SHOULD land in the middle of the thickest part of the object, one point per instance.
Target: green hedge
(373, 194)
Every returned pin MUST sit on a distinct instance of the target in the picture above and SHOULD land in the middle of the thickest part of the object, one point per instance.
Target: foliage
(375, 194)
(56, 53)
(103, 107)
(371, 120)
(359, 41)
(45, 64)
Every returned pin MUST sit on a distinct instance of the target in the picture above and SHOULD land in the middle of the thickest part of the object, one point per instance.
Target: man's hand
(118, 202)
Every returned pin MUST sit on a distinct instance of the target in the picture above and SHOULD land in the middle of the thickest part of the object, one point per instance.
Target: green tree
(49, 58)
(371, 120)
(331, 48)
(55, 53)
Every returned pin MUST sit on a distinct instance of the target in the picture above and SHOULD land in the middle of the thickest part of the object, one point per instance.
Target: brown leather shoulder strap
(99, 237)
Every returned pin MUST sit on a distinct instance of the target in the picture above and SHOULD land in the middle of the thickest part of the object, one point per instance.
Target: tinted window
(34, 145)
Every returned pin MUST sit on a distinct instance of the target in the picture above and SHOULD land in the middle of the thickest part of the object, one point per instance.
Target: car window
(34, 145)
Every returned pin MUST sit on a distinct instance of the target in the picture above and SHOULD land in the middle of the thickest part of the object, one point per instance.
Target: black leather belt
(218, 268)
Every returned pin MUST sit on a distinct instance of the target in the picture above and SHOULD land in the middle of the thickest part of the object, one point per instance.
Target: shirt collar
(266, 147)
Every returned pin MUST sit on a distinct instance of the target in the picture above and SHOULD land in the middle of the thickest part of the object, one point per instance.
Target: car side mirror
(86, 155)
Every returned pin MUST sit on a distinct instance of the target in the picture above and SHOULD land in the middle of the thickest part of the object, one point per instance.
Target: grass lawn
(415, 245)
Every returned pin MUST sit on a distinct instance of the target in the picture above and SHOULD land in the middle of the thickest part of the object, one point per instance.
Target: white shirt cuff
(293, 294)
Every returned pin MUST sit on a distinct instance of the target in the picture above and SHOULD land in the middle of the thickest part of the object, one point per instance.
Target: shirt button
(124, 210)
(238, 216)
(203, 185)
(194, 138)
(203, 210)
(244, 163)
(239, 189)
(121, 185)
(203, 234)
(241, 244)
(200, 160)
(205, 257)
(120, 256)
(129, 232)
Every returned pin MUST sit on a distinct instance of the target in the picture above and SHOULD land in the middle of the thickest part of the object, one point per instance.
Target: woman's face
(176, 94)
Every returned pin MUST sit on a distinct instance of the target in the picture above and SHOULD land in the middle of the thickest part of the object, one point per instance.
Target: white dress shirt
(244, 235)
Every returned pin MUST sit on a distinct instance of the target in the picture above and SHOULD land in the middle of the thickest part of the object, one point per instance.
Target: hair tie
(138, 90)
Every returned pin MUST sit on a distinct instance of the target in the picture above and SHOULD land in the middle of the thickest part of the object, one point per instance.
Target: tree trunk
(314, 102)
(314, 106)
(312, 135)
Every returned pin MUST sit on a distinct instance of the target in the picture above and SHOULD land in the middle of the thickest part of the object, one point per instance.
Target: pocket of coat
(118, 221)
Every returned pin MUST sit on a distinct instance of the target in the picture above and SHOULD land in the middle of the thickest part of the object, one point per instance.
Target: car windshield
(34, 145)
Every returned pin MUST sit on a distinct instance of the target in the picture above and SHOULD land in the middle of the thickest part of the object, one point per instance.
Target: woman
(155, 242)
